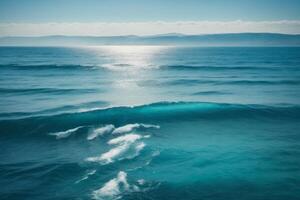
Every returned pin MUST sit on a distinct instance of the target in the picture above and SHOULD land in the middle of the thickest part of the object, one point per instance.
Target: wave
(120, 66)
(63, 91)
(87, 175)
(100, 131)
(114, 188)
(86, 106)
(120, 130)
(126, 148)
(129, 138)
(120, 186)
(224, 68)
(205, 93)
(153, 113)
(192, 82)
(120, 152)
(130, 127)
(65, 134)
(108, 157)
(49, 66)
(259, 82)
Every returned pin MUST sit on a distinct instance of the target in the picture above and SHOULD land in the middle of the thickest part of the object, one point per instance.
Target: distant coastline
(174, 39)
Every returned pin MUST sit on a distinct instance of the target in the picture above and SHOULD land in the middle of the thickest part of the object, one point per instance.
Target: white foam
(140, 146)
(109, 156)
(113, 188)
(150, 126)
(125, 129)
(64, 134)
(124, 151)
(100, 131)
(137, 149)
(129, 138)
(125, 146)
(130, 127)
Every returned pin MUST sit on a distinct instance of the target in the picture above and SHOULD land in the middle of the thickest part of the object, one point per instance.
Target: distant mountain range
(234, 39)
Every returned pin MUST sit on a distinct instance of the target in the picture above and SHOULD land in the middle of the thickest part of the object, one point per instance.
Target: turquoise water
(149, 122)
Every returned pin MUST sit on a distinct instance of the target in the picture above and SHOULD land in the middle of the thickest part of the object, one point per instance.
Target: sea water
(149, 122)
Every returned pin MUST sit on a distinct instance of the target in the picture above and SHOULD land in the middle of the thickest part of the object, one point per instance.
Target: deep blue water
(141, 122)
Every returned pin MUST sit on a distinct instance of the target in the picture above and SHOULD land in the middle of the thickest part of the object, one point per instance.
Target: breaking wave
(125, 148)
(139, 116)
(100, 131)
(65, 134)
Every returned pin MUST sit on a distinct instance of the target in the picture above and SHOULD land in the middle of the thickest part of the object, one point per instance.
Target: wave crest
(126, 148)
(130, 127)
(113, 188)
(154, 113)
(100, 131)
(65, 134)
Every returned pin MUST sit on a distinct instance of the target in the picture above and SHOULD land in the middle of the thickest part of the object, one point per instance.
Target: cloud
(148, 28)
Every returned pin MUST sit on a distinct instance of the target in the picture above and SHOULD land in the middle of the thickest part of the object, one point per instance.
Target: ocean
(150, 122)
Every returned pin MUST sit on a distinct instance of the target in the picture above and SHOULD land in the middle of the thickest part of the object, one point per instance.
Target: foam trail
(125, 129)
(137, 149)
(89, 173)
(150, 126)
(64, 134)
(111, 155)
(100, 131)
(128, 151)
(113, 188)
(129, 138)
(130, 127)
(125, 145)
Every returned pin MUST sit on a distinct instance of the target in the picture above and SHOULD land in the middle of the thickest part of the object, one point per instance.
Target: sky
(141, 17)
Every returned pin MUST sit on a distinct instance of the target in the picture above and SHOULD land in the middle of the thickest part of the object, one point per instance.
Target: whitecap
(129, 138)
(100, 131)
(120, 152)
(130, 127)
(111, 155)
(64, 134)
(150, 126)
(113, 188)
(137, 149)
(125, 129)
(126, 146)
(140, 146)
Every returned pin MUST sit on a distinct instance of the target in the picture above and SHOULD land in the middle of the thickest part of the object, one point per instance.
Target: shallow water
(138, 122)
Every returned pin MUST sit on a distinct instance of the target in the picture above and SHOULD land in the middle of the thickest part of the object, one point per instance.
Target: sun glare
(129, 58)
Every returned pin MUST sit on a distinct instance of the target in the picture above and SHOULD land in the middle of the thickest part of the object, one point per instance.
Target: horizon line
(151, 35)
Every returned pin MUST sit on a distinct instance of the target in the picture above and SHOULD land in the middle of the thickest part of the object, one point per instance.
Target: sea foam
(87, 175)
(124, 151)
(65, 134)
(110, 156)
(100, 131)
(129, 138)
(126, 147)
(113, 188)
(130, 127)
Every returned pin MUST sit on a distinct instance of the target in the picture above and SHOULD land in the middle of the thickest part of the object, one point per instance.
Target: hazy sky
(121, 17)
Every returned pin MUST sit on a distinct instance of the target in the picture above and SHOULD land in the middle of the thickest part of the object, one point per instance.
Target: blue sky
(84, 12)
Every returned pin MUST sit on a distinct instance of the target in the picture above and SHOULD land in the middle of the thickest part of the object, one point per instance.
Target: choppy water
(137, 122)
